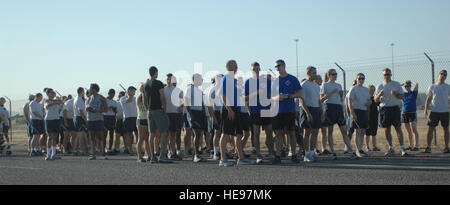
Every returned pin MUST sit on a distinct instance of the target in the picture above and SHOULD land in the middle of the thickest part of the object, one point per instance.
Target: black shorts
(186, 121)
(435, 117)
(373, 128)
(245, 121)
(175, 121)
(52, 126)
(96, 126)
(129, 125)
(316, 121)
(29, 129)
(284, 121)
(38, 127)
(143, 122)
(362, 120)
(119, 126)
(110, 122)
(409, 117)
(71, 125)
(232, 127)
(256, 119)
(80, 124)
(218, 125)
(334, 115)
(390, 116)
(198, 120)
(5, 128)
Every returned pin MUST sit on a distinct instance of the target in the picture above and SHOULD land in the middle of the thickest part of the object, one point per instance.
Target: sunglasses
(277, 66)
(361, 78)
(444, 74)
(387, 74)
(333, 74)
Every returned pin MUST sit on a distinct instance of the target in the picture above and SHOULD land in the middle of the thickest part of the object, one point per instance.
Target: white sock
(345, 148)
(53, 151)
(49, 151)
(216, 149)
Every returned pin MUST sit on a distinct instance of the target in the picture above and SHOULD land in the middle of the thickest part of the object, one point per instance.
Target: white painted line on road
(30, 168)
(382, 166)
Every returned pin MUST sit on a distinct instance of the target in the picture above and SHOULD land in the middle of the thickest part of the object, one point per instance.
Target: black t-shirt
(373, 112)
(151, 91)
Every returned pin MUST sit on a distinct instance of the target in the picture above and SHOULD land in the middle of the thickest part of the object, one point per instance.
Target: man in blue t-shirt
(257, 94)
(409, 114)
(284, 89)
(231, 119)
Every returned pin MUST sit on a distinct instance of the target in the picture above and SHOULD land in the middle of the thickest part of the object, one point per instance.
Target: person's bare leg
(66, 141)
(410, 134)
(347, 140)
(158, 142)
(330, 138)
(324, 138)
(163, 139)
(187, 139)
(178, 139)
(446, 136)
(140, 140)
(306, 141)
(239, 148)
(92, 141)
(255, 139)
(399, 135)
(208, 140)
(101, 137)
(197, 138)
(387, 132)
(279, 135)
(374, 141)
(269, 139)
(313, 138)
(416, 134)
(152, 145)
(223, 146)
(293, 141)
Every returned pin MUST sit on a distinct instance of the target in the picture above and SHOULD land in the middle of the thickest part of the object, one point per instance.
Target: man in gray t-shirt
(389, 94)
(438, 96)
(174, 109)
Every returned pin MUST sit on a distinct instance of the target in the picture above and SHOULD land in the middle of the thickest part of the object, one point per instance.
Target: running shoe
(283, 153)
(290, 154)
(253, 150)
(404, 154)
(389, 153)
(141, 160)
(225, 163)
(48, 158)
(197, 159)
(353, 156)
(271, 156)
(55, 157)
(376, 149)
(415, 149)
(368, 149)
(446, 150)
(333, 156)
(215, 157)
(259, 159)
(92, 157)
(153, 160)
(427, 150)
(164, 160)
(325, 152)
(362, 153)
(245, 161)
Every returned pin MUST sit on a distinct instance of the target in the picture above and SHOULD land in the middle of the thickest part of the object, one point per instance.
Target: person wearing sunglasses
(438, 97)
(389, 94)
(332, 95)
(359, 102)
(409, 115)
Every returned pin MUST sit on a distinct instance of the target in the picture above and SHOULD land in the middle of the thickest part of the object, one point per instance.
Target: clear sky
(67, 44)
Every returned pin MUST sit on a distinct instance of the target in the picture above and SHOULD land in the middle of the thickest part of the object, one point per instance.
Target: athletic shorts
(110, 122)
(198, 120)
(390, 116)
(186, 121)
(70, 127)
(218, 124)
(129, 124)
(372, 130)
(175, 121)
(245, 121)
(5, 128)
(52, 126)
(143, 122)
(284, 121)
(409, 117)
(29, 129)
(316, 121)
(96, 126)
(256, 119)
(158, 121)
(232, 127)
(334, 115)
(362, 120)
(80, 124)
(435, 117)
(38, 127)
(119, 126)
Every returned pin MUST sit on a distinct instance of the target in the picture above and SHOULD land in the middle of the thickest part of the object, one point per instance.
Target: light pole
(392, 45)
(296, 52)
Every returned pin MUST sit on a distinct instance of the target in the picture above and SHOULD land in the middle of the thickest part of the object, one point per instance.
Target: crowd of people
(220, 121)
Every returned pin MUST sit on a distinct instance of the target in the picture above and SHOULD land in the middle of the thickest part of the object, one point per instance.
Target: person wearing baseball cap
(409, 114)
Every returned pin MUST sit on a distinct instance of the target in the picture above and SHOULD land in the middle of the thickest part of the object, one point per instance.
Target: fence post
(432, 82)
(345, 79)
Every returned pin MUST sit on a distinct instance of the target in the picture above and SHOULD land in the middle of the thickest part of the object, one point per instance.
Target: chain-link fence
(416, 67)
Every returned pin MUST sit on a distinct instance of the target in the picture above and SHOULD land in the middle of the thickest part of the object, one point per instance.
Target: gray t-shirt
(311, 93)
(439, 97)
(174, 97)
(327, 88)
(360, 97)
(388, 100)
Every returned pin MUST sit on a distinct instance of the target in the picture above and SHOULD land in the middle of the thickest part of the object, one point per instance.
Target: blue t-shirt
(257, 109)
(223, 90)
(287, 85)
(409, 102)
